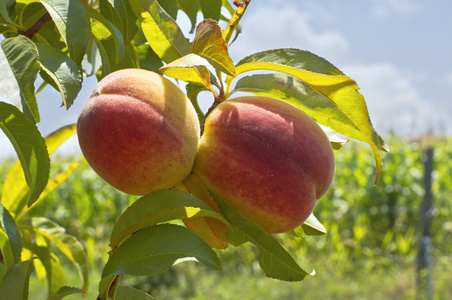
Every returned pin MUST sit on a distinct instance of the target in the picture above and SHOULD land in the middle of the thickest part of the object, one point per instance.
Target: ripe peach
(138, 131)
(267, 159)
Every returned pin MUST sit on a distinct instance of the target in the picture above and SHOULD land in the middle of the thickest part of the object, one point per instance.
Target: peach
(139, 131)
(267, 159)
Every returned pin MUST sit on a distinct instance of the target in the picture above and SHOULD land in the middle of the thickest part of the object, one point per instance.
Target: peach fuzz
(267, 159)
(138, 131)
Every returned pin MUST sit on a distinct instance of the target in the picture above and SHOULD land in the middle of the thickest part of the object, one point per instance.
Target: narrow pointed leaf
(6, 250)
(156, 207)
(209, 43)
(72, 20)
(311, 226)
(52, 265)
(31, 150)
(274, 259)
(15, 283)
(15, 189)
(65, 291)
(61, 72)
(4, 14)
(11, 231)
(67, 244)
(348, 113)
(191, 68)
(114, 33)
(128, 292)
(154, 249)
(22, 56)
(121, 14)
(160, 30)
(192, 94)
(211, 9)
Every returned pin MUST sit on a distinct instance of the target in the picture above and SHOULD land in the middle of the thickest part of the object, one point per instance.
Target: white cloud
(384, 8)
(265, 27)
(394, 100)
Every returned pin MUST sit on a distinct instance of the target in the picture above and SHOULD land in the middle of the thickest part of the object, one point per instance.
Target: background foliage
(369, 251)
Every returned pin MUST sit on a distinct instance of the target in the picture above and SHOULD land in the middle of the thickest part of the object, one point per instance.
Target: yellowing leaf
(209, 43)
(191, 68)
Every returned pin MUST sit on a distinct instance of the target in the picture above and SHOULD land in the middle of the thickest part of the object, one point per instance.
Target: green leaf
(65, 291)
(191, 68)
(148, 59)
(31, 150)
(209, 43)
(61, 72)
(52, 265)
(161, 31)
(72, 20)
(4, 14)
(170, 6)
(67, 244)
(211, 9)
(6, 250)
(192, 93)
(22, 57)
(12, 234)
(92, 61)
(155, 249)
(311, 226)
(120, 13)
(344, 108)
(190, 8)
(113, 31)
(274, 260)
(130, 293)
(15, 283)
(156, 207)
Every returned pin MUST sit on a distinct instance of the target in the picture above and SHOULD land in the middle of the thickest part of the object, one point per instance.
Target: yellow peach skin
(138, 131)
(267, 159)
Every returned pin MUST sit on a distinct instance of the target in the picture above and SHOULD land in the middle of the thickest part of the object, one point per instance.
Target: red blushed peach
(138, 131)
(267, 159)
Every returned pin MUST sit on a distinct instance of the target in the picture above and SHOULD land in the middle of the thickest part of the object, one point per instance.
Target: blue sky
(398, 51)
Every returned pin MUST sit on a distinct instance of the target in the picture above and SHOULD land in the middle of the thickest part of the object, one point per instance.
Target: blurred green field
(369, 252)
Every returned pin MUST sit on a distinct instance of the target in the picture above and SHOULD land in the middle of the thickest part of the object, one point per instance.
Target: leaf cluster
(63, 41)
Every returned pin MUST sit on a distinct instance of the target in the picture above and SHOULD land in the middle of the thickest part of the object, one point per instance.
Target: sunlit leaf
(32, 152)
(154, 249)
(274, 260)
(22, 56)
(160, 30)
(191, 68)
(6, 250)
(338, 94)
(15, 283)
(209, 43)
(61, 72)
(311, 226)
(159, 207)
(72, 20)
